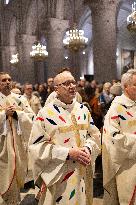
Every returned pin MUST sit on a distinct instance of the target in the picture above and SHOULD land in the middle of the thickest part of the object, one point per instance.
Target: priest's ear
(56, 88)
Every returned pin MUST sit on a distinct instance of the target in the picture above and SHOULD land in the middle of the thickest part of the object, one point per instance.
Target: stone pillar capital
(56, 31)
(58, 25)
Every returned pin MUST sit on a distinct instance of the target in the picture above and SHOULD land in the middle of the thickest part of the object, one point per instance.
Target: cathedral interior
(109, 51)
(95, 39)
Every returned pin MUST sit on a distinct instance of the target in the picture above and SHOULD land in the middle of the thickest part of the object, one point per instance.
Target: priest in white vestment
(119, 146)
(33, 100)
(64, 144)
(15, 126)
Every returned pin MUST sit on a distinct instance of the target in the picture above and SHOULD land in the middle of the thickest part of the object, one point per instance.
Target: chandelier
(14, 59)
(75, 39)
(39, 52)
(131, 19)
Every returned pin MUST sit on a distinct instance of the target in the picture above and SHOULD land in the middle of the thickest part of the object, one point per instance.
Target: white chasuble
(34, 103)
(57, 128)
(14, 137)
(119, 153)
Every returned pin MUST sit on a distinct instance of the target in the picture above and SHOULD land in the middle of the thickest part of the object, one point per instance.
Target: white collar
(124, 100)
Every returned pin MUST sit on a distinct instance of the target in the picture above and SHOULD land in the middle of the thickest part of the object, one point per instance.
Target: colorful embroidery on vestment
(91, 123)
(118, 116)
(81, 106)
(51, 121)
(115, 133)
(121, 117)
(40, 118)
(39, 139)
(124, 106)
(58, 199)
(129, 114)
(120, 109)
(115, 117)
(50, 112)
(62, 119)
(72, 194)
(131, 123)
(84, 116)
(66, 140)
(67, 176)
(73, 181)
(56, 108)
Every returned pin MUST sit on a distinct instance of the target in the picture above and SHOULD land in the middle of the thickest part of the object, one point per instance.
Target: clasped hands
(9, 110)
(82, 155)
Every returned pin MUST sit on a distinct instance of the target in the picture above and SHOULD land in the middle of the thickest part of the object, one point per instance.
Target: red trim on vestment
(114, 117)
(62, 119)
(66, 140)
(40, 118)
(129, 114)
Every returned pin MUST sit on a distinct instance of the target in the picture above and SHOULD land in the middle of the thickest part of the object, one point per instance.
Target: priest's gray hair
(127, 78)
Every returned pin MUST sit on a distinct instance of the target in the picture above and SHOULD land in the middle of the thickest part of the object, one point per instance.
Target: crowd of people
(53, 133)
(97, 97)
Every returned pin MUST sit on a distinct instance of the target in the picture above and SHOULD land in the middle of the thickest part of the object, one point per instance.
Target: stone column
(2, 29)
(104, 38)
(26, 65)
(60, 9)
(55, 45)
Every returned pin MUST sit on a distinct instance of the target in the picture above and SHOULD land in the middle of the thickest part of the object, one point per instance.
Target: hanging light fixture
(39, 52)
(75, 39)
(14, 59)
(131, 19)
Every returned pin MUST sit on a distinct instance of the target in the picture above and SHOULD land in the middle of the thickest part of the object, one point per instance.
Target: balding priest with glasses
(64, 144)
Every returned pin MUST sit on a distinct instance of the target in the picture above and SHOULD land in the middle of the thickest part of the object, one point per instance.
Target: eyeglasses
(68, 83)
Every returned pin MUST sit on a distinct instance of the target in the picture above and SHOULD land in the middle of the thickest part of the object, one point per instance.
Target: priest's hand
(10, 110)
(79, 154)
(86, 150)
